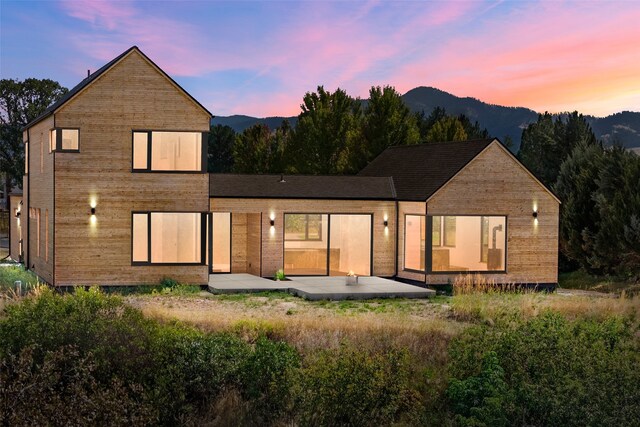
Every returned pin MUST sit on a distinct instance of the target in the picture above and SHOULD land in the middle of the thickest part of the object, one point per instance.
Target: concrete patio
(318, 287)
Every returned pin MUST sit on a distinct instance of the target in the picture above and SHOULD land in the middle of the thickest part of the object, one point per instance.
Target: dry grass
(420, 326)
(492, 307)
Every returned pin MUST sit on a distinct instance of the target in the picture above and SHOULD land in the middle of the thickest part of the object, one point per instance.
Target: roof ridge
(423, 144)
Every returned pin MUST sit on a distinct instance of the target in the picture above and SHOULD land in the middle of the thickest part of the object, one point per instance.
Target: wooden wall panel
(39, 195)
(253, 243)
(238, 242)
(495, 184)
(133, 95)
(272, 242)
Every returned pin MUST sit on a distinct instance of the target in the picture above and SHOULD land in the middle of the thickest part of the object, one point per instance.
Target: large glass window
(221, 235)
(172, 238)
(350, 241)
(303, 255)
(471, 244)
(322, 244)
(414, 242)
(169, 151)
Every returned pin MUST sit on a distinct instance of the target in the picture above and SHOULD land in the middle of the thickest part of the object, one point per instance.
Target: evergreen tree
(327, 134)
(473, 130)
(548, 142)
(600, 214)
(387, 122)
(447, 129)
(252, 151)
(579, 217)
(425, 123)
(220, 145)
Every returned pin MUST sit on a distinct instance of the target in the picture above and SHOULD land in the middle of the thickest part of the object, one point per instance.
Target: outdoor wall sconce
(17, 213)
(272, 222)
(93, 211)
(535, 214)
(386, 223)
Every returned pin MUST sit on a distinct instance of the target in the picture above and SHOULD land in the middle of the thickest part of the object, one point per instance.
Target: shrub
(354, 388)
(191, 368)
(62, 390)
(268, 376)
(89, 346)
(555, 372)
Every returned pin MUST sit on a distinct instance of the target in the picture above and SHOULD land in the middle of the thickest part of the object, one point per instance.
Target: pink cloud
(118, 25)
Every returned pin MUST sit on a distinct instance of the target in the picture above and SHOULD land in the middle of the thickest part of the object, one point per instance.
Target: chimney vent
(88, 73)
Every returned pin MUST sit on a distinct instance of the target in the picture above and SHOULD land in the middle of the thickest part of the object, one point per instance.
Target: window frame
(306, 228)
(58, 147)
(427, 245)
(429, 249)
(149, 132)
(328, 246)
(203, 239)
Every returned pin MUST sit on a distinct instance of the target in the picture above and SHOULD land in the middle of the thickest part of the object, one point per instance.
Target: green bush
(268, 376)
(166, 373)
(62, 390)
(354, 388)
(547, 371)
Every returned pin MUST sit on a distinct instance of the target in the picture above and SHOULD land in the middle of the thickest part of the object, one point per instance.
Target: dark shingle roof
(301, 187)
(93, 76)
(418, 171)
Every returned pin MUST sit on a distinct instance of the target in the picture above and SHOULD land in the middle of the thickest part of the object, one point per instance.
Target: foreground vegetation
(273, 359)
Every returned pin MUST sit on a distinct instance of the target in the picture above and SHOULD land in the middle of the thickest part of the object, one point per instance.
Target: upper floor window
(161, 151)
(65, 140)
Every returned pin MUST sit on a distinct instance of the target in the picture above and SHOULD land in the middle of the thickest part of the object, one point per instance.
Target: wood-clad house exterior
(72, 247)
(463, 182)
(116, 193)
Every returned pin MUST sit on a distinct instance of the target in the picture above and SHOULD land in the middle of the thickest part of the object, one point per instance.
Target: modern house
(116, 192)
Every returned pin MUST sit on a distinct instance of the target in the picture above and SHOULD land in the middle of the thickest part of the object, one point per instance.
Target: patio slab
(318, 287)
(243, 282)
(335, 288)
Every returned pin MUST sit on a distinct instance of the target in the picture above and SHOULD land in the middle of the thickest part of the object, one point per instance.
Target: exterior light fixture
(272, 222)
(386, 223)
(535, 214)
(17, 213)
(93, 211)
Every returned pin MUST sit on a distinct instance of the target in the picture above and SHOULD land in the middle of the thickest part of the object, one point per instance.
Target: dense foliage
(20, 103)
(598, 187)
(547, 371)
(88, 358)
(334, 134)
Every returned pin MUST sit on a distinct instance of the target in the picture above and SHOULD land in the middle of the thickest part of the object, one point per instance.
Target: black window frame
(203, 239)
(203, 159)
(306, 228)
(429, 249)
(58, 147)
(426, 245)
(328, 246)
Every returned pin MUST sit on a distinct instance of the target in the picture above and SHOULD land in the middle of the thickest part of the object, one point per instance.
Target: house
(116, 192)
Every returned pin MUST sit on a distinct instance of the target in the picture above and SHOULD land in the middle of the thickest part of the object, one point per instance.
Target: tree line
(335, 134)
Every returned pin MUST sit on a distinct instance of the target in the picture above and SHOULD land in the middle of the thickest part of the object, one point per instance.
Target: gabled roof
(301, 187)
(94, 76)
(418, 171)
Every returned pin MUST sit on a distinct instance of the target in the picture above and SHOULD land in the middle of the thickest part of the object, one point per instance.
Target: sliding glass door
(327, 244)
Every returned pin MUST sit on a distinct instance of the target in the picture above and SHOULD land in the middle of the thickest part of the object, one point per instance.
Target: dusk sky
(259, 58)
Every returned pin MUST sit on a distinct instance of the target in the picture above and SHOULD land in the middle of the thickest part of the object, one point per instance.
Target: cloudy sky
(259, 58)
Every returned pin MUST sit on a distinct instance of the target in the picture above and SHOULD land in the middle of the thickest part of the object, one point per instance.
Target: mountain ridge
(500, 121)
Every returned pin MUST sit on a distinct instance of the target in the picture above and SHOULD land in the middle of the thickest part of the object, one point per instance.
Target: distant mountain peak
(501, 121)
